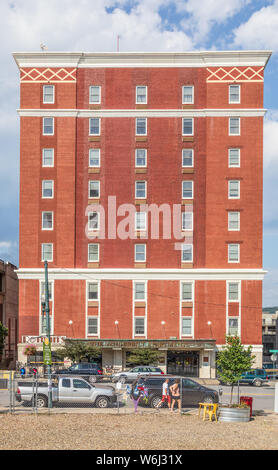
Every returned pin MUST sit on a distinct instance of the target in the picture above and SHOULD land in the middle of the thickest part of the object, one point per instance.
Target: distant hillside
(270, 309)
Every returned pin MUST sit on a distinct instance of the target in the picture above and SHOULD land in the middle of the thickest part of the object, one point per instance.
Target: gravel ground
(145, 431)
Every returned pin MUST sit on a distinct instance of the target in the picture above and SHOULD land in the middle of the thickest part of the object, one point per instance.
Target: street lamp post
(48, 334)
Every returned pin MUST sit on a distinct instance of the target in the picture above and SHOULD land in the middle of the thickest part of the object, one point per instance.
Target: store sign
(170, 344)
(47, 360)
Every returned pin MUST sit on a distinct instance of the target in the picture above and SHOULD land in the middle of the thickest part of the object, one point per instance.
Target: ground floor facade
(186, 314)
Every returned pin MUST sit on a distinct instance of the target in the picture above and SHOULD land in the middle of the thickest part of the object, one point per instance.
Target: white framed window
(187, 291)
(233, 326)
(93, 252)
(141, 126)
(44, 324)
(43, 291)
(139, 326)
(47, 251)
(94, 94)
(47, 220)
(188, 94)
(139, 290)
(233, 221)
(94, 126)
(47, 189)
(233, 291)
(140, 253)
(48, 94)
(93, 221)
(234, 189)
(234, 94)
(140, 221)
(94, 158)
(141, 94)
(47, 157)
(187, 221)
(140, 189)
(187, 253)
(234, 158)
(48, 126)
(187, 126)
(92, 326)
(141, 158)
(234, 126)
(187, 189)
(94, 189)
(233, 252)
(186, 326)
(93, 291)
(187, 158)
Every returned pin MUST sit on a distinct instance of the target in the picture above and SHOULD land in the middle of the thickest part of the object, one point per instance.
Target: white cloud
(260, 31)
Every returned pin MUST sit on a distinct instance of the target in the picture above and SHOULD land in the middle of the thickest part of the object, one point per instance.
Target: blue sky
(143, 25)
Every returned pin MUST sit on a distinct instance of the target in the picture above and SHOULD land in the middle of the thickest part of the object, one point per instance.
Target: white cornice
(144, 274)
(122, 113)
(142, 59)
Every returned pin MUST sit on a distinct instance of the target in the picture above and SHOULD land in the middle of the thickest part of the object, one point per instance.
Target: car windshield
(74, 367)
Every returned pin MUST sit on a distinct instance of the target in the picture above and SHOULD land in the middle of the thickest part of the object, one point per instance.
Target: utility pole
(47, 343)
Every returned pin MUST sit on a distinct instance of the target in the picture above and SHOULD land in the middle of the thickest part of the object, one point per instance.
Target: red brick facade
(163, 271)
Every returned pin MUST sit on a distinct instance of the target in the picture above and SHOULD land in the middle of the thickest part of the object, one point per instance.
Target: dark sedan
(89, 371)
(192, 393)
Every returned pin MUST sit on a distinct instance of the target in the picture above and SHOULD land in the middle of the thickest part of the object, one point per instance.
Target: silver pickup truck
(66, 390)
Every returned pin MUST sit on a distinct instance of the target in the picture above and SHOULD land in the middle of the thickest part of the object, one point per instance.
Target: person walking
(22, 372)
(176, 397)
(165, 395)
(135, 394)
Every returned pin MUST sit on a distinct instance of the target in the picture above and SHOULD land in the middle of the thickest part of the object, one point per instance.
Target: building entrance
(184, 363)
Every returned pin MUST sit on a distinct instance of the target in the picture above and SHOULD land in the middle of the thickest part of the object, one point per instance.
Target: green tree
(77, 350)
(144, 356)
(233, 361)
(3, 335)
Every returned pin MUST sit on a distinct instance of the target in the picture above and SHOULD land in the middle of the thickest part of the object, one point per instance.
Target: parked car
(132, 374)
(66, 390)
(192, 393)
(256, 377)
(91, 371)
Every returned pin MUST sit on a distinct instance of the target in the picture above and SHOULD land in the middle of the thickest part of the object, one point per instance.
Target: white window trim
(98, 221)
(233, 261)
(233, 166)
(94, 317)
(94, 197)
(87, 292)
(239, 125)
(134, 321)
(239, 94)
(233, 197)
(99, 131)
(140, 261)
(48, 212)
(95, 260)
(48, 197)
(48, 102)
(145, 291)
(192, 119)
(228, 291)
(233, 229)
(188, 102)
(192, 291)
(141, 102)
(95, 102)
(238, 325)
(94, 166)
(187, 166)
(53, 120)
(144, 220)
(49, 260)
(187, 244)
(141, 197)
(192, 197)
(146, 133)
(187, 318)
(146, 155)
(47, 166)
(187, 229)
(51, 313)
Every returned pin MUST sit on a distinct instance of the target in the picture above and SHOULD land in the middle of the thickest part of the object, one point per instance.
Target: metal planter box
(233, 414)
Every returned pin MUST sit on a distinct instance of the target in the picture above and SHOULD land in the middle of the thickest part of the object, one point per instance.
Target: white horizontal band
(134, 113)
(144, 274)
(142, 59)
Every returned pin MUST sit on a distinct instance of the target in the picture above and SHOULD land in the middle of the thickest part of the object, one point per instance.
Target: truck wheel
(257, 383)
(42, 401)
(122, 379)
(92, 379)
(102, 402)
(208, 399)
(155, 400)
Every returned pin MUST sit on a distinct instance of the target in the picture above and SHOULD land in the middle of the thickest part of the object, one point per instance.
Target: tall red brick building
(104, 135)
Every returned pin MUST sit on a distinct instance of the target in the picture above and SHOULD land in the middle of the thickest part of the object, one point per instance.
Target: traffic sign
(273, 350)
(47, 352)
